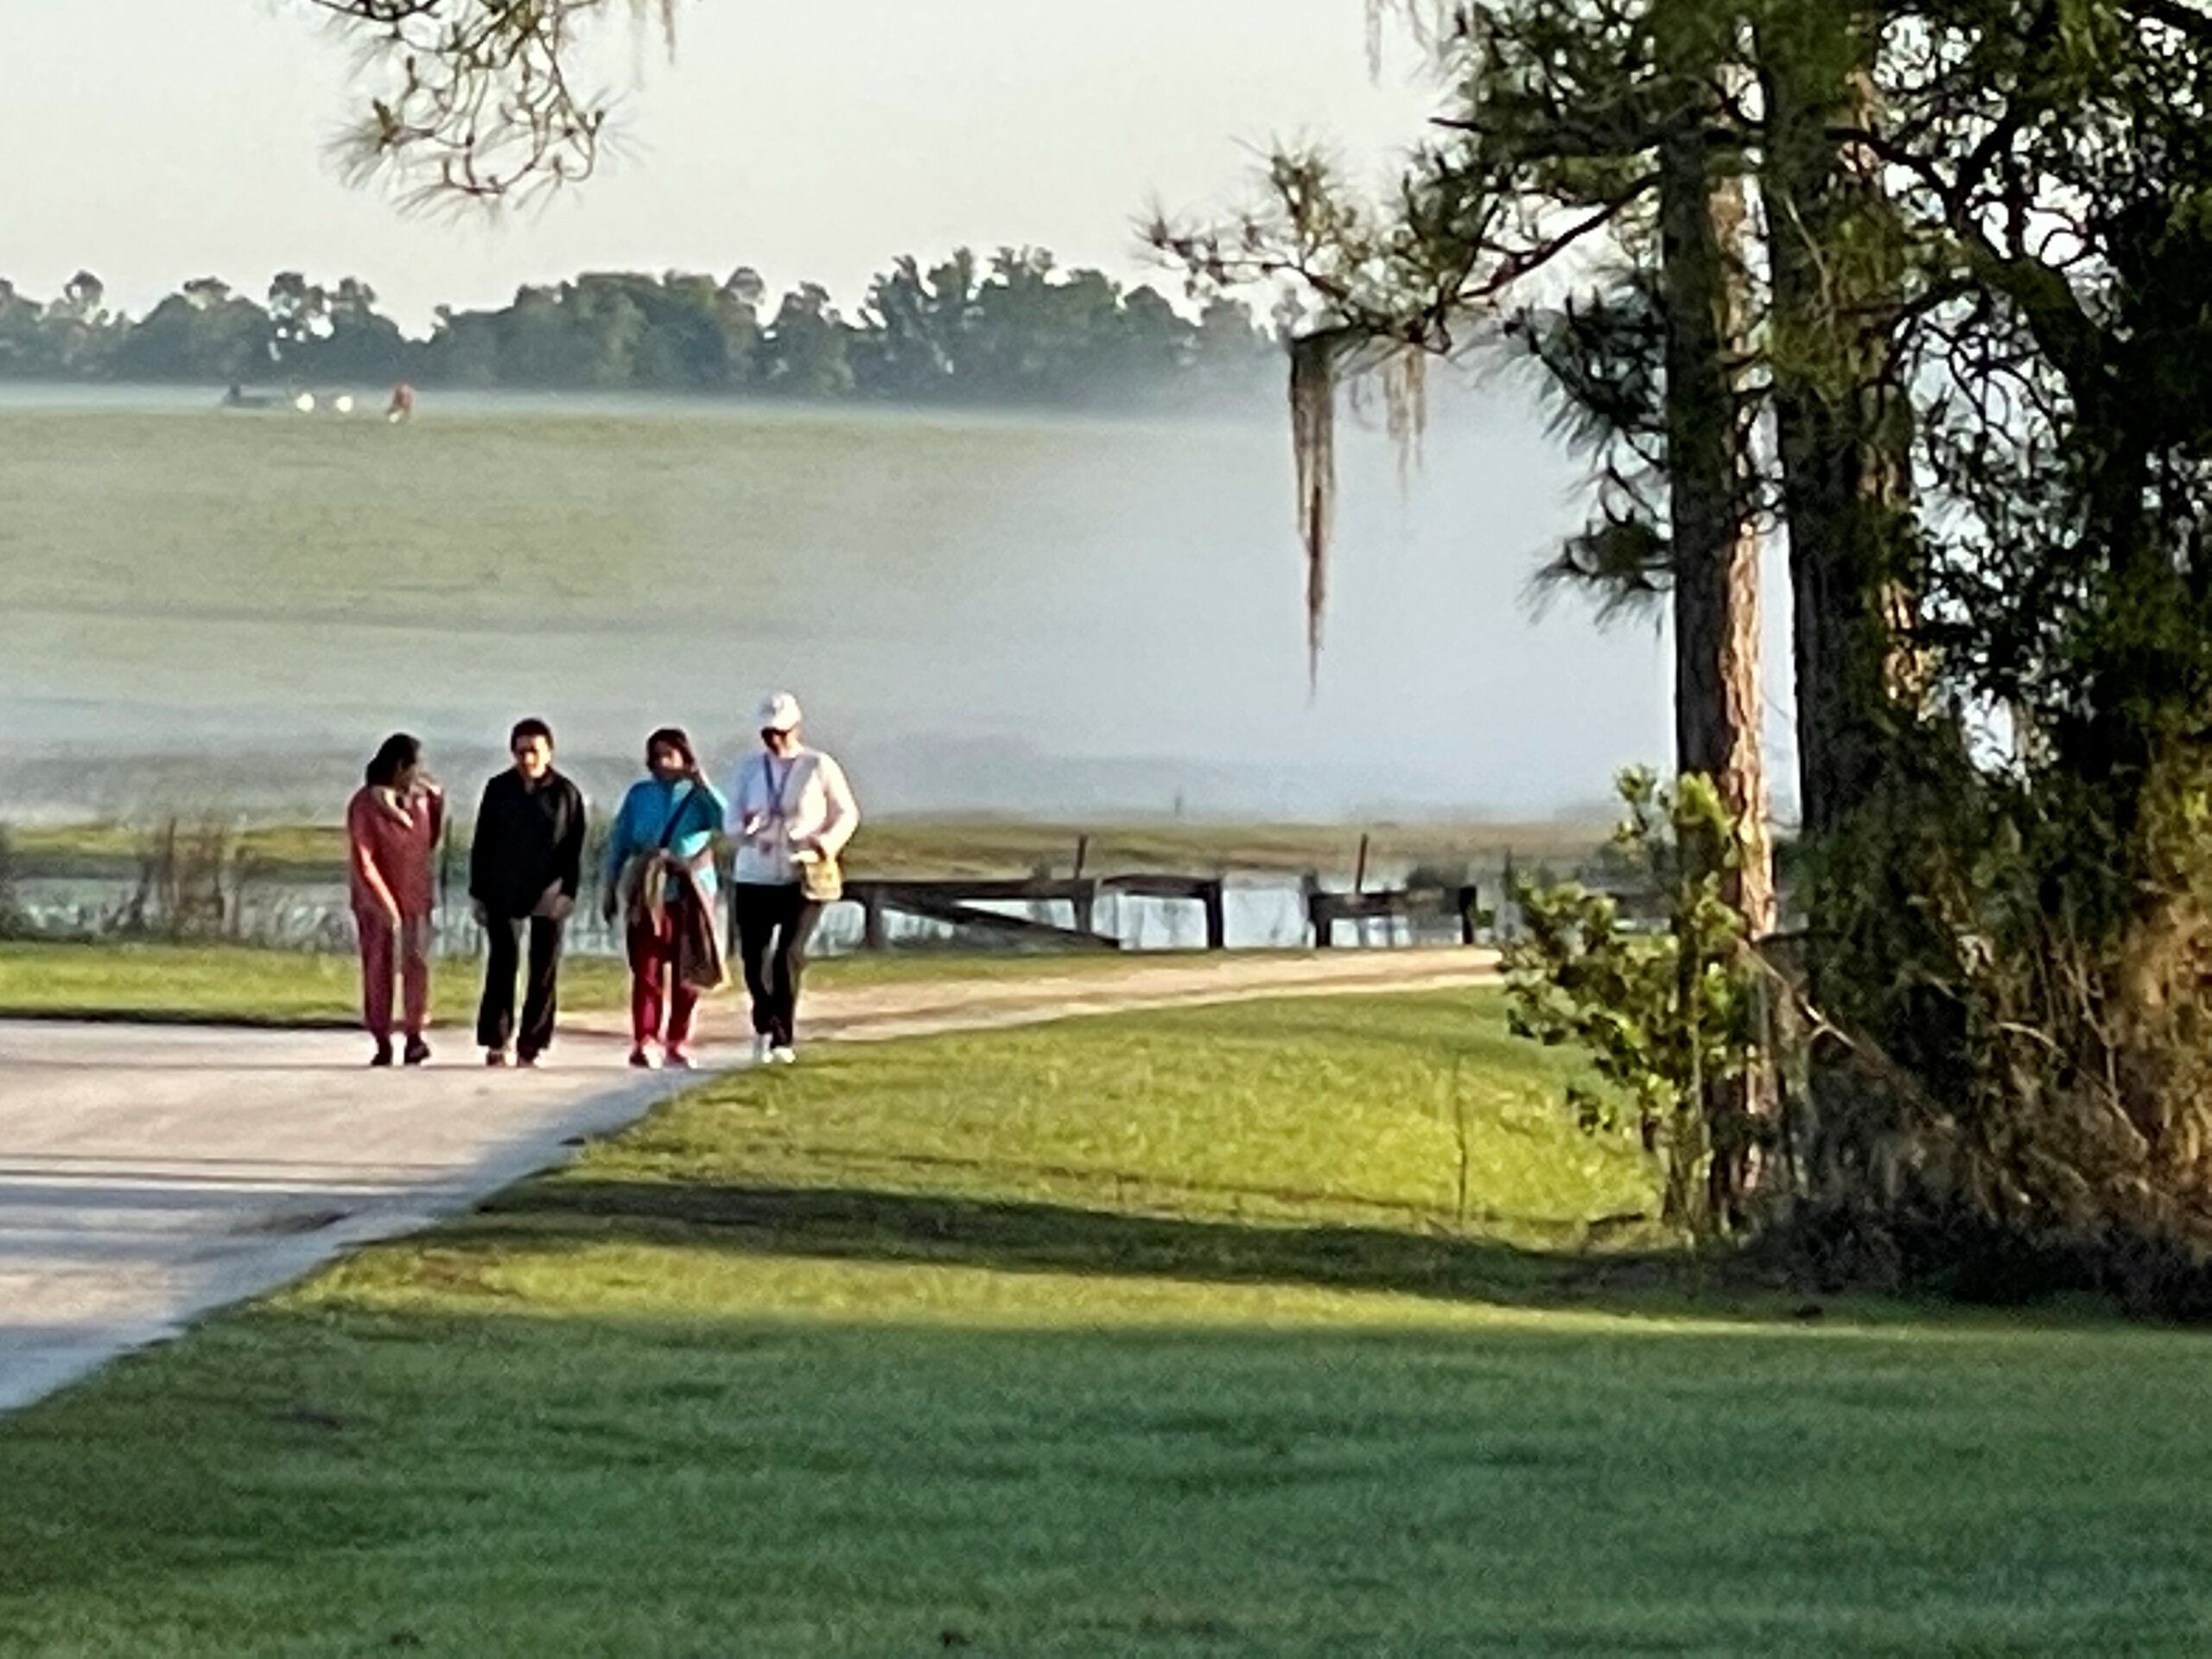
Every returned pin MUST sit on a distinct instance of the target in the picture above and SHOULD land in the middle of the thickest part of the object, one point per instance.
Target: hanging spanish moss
(1313, 441)
(1319, 364)
(1405, 408)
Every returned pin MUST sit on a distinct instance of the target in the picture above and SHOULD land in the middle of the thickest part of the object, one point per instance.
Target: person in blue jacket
(660, 878)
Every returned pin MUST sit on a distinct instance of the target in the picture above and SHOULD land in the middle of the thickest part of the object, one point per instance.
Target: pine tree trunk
(1843, 429)
(1718, 703)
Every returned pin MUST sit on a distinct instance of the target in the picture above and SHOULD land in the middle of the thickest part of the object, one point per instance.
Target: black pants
(495, 1019)
(773, 925)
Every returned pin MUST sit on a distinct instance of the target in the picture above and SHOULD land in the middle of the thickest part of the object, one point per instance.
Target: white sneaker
(763, 1050)
(783, 1056)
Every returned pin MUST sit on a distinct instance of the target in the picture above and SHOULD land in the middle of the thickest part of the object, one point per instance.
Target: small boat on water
(308, 403)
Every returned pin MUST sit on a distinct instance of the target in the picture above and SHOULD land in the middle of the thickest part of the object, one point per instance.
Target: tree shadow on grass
(843, 1223)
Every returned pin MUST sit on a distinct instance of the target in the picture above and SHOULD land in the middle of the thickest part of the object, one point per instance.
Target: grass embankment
(247, 985)
(238, 984)
(1154, 1335)
(918, 848)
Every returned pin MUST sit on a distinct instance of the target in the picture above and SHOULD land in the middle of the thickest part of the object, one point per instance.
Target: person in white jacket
(789, 806)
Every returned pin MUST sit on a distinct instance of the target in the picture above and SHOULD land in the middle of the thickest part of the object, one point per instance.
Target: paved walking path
(151, 1173)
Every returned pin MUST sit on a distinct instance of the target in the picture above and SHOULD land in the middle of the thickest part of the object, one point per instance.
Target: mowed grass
(249, 985)
(240, 984)
(1156, 1334)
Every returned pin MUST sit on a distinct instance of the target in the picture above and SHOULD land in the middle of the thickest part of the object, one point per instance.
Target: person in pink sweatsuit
(392, 826)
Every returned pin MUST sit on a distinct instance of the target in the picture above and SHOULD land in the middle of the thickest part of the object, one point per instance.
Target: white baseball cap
(779, 712)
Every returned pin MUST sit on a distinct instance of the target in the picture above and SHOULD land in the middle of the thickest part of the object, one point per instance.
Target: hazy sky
(174, 138)
(158, 140)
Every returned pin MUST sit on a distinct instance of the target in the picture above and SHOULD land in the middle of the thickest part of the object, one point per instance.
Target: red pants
(380, 936)
(655, 990)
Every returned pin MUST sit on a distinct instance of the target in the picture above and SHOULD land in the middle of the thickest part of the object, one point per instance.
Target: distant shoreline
(97, 850)
(436, 402)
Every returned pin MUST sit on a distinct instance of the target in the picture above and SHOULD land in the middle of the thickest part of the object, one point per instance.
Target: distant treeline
(1015, 329)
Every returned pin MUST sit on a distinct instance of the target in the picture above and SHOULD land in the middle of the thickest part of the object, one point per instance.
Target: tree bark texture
(1843, 426)
(1718, 705)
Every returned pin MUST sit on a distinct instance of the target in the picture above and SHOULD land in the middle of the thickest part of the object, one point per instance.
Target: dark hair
(526, 730)
(672, 737)
(393, 755)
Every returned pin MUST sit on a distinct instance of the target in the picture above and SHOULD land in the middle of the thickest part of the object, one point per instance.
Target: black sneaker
(382, 1056)
(417, 1051)
(495, 1057)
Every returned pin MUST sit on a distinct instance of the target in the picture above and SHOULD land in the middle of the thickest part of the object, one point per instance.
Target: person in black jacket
(524, 868)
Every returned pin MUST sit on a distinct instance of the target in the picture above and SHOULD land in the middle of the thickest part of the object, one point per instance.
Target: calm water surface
(986, 612)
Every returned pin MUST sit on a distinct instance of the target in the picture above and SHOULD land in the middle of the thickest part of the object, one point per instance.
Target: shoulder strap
(678, 801)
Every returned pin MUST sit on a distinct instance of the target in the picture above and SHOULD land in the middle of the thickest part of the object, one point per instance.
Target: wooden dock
(1207, 892)
(962, 902)
(1325, 910)
(959, 903)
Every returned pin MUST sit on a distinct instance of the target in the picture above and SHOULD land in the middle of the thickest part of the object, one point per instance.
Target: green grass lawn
(1155, 1335)
(242, 984)
(237, 984)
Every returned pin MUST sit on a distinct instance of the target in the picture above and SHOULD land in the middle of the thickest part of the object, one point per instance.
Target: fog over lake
(1007, 613)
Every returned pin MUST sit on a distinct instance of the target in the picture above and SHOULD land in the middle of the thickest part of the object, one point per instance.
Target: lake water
(996, 613)
(1257, 914)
